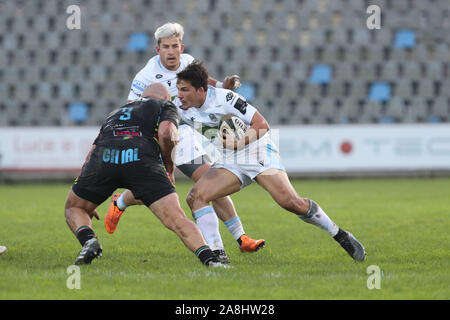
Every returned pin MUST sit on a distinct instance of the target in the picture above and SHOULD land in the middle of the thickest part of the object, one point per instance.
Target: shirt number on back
(126, 114)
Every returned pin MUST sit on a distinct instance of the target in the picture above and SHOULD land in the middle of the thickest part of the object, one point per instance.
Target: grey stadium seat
(368, 71)
(331, 53)
(403, 88)
(312, 91)
(395, 109)
(445, 85)
(440, 108)
(372, 111)
(304, 111)
(343, 71)
(426, 88)
(434, 70)
(291, 90)
(14, 112)
(376, 54)
(336, 89)
(421, 52)
(353, 53)
(442, 52)
(327, 110)
(390, 70)
(349, 110)
(411, 70)
(417, 110)
(399, 54)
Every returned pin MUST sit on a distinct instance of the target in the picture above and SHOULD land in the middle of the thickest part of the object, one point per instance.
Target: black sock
(84, 234)
(340, 235)
(205, 255)
(239, 241)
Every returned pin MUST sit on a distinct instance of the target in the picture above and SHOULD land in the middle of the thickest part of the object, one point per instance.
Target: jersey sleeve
(237, 105)
(169, 112)
(137, 87)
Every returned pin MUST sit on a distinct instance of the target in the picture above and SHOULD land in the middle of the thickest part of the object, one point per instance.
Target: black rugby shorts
(145, 177)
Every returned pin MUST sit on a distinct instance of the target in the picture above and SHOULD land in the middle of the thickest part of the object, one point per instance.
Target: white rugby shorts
(249, 162)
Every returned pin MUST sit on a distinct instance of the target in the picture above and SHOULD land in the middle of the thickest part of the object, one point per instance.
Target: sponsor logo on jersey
(129, 131)
(136, 93)
(116, 156)
(139, 85)
(241, 105)
(158, 76)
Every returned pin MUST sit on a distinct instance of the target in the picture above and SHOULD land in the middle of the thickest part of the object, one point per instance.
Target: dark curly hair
(196, 74)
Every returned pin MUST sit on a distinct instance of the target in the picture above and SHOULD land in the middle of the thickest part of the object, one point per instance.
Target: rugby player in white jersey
(191, 158)
(254, 157)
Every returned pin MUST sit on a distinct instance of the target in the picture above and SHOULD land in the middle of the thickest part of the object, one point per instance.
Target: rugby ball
(233, 126)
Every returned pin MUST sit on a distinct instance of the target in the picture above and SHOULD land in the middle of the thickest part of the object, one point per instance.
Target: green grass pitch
(403, 224)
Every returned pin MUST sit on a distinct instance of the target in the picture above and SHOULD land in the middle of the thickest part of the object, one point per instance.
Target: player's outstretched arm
(230, 82)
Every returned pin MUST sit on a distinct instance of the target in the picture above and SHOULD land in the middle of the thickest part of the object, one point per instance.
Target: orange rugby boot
(251, 245)
(113, 215)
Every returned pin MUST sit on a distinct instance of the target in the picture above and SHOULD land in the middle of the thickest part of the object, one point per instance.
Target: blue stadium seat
(320, 73)
(434, 119)
(138, 42)
(405, 39)
(78, 112)
(380, 91)
(247, 90)
(386, 120)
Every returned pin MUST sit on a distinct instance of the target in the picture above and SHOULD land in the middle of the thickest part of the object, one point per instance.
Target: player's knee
(190, 199)
(194, 196)
(296, 204)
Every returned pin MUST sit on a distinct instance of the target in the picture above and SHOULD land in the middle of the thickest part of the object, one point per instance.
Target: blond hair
(169, 30)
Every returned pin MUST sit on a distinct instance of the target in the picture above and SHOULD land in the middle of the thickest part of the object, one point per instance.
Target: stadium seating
(380, 91)
(78, 112)
(312, 56)
(320, 74)
(405, 39)
(138, 42)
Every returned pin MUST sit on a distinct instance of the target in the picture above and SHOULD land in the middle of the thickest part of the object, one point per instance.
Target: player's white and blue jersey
(153, 72)
(254, 158)
(218, 103)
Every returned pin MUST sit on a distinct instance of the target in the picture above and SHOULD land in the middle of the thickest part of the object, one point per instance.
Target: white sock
(316, 216)
(235, 227)
(208, 224)
(120, 203)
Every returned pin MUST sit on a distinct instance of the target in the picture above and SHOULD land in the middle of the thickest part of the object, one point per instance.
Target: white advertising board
(304, 149)
(365, 147)
(45, 149)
